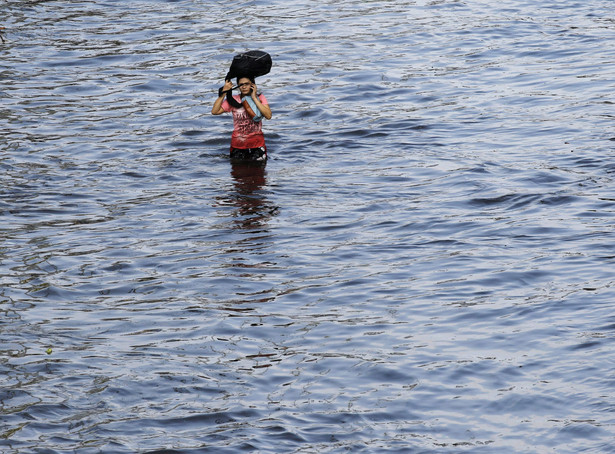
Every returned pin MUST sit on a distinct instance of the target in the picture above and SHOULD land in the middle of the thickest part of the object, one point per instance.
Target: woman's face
(245, 86)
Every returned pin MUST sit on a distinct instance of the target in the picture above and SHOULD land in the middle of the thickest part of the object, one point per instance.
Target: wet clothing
(249, 154)
(247, 134)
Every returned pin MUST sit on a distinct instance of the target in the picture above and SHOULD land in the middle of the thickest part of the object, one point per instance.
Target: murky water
(426, 264)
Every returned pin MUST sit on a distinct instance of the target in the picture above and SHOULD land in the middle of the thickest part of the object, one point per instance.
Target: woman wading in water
(248, 108)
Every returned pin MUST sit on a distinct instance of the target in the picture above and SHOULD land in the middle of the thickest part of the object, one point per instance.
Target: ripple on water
(423, 264)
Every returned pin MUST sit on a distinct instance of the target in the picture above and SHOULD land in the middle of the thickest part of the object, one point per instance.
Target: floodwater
(425, 264)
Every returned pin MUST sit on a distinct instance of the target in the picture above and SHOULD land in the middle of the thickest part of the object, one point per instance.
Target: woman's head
(245, 84)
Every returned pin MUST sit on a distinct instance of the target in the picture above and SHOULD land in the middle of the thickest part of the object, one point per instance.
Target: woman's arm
(217, 107)
(265, 110)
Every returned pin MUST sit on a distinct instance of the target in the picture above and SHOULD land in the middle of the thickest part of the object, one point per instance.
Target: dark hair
(245, 77)
(232, 101)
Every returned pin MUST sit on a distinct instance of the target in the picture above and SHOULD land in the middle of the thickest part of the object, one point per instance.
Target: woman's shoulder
(227, 105)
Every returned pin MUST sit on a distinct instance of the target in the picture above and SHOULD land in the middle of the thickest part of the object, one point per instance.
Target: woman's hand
(265, 110)
(217, 107)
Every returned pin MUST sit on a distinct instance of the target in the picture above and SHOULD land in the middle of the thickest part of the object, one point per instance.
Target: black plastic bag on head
(253, 63)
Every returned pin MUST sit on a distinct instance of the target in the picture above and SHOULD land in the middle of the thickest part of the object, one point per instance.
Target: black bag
(253, 63)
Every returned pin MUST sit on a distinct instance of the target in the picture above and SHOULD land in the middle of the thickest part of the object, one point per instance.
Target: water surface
(424, 265)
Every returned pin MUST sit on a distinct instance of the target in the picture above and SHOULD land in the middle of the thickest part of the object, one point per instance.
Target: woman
(248, 108)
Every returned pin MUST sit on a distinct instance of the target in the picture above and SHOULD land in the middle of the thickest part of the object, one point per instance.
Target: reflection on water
(253, 208)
